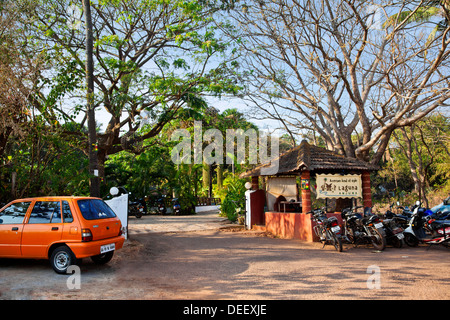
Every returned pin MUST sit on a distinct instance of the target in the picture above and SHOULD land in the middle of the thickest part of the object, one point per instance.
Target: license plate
(378, 225)
(336, 229)
(108, 247)
(400, 235)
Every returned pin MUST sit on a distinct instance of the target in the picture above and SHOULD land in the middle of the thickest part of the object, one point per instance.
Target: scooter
(161, 206)
(424, 230)
(176, 206)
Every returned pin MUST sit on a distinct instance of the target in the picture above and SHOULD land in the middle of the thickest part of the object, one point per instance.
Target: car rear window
(93, 209)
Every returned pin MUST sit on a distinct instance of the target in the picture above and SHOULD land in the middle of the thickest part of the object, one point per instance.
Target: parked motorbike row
(138, 207)
(424, 226)
(412, 227)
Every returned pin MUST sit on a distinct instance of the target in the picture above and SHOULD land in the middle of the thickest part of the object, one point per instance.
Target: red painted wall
(289, 225)
(293, 225)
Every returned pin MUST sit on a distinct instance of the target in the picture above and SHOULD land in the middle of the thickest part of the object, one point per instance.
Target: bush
(234, 202)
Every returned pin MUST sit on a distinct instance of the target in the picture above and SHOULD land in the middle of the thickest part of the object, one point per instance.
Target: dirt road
(220, 264)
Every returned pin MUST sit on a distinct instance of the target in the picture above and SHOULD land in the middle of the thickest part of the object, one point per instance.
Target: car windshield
(93, 209)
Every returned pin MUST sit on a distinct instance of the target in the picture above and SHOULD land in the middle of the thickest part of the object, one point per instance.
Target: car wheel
(103, 258)
(61, 259)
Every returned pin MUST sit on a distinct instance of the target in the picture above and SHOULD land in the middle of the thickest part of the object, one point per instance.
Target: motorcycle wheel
(335, 240)
(377, 239)
(136, 213)
(396, 242)
(323, 236)
(411, 240)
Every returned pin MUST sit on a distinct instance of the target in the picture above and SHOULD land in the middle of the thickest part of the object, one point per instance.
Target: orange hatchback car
(61, 229)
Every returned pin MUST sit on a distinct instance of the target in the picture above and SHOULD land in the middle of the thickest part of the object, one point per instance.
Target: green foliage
(428, 143)
(184, 186)
(140, 174)
(422, 14)
(425, 13)
(45, 162)
(234, 202)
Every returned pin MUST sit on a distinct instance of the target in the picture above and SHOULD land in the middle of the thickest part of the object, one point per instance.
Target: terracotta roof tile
(312, 158)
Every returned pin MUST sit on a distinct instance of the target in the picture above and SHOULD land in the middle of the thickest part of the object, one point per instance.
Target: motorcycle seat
(440, 224)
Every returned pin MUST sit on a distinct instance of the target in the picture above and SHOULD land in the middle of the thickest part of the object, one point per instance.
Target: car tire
(61, 259)
(103, 258)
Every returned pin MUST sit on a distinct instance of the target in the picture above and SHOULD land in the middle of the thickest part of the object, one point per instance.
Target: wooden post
(255, 183)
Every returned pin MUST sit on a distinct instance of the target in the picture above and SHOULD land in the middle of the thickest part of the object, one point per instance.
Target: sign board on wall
(338, 186)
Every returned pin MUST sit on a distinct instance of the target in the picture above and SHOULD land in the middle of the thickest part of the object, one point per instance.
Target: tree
(44, 162)
(425, 13)
(19, 73)
(326, 67)
(90, 112)
(152, 59)
(425, 145)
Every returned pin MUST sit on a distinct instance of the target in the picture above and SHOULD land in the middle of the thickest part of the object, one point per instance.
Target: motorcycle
(442, 210)
(176, 206)
(406, 212)
(327, 229)
(137, 208)
(360, 229)
(423, 228)
(394, 225)
(394, 233)
(161, 205)
(402, 220)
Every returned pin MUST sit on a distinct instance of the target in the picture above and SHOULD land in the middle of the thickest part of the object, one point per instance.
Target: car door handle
(15, 229)
(55, 228)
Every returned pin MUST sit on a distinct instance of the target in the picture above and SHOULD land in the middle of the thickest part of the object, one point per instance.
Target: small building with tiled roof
(352, 177)
(311, 158)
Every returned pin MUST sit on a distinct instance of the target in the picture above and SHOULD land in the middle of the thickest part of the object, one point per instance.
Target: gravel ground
(174, 263)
